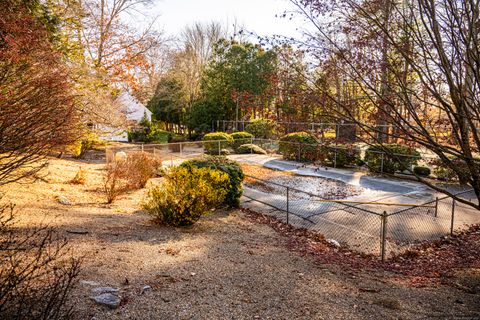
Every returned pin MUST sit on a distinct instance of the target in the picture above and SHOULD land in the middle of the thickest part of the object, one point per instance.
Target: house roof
(133, 109)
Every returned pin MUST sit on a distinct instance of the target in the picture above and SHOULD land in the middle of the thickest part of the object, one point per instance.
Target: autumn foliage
(37, 106)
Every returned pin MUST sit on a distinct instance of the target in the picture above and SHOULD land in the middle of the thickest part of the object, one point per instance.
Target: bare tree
(420, 71)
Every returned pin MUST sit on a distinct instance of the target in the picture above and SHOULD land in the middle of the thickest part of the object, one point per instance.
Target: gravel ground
(224, 267)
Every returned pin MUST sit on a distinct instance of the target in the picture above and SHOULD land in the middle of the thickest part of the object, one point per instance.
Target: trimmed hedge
(396, 157)
(212, 147)
(299, 146)
(341, 155)
(422, 171)
(250, 148)
(262, 128)
(241, 138)
(230, 167)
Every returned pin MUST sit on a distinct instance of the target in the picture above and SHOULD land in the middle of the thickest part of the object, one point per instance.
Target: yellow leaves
(186, 194)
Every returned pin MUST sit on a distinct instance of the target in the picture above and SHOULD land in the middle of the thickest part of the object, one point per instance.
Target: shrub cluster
(186, 194)
(299, 146)
(129, 174)
(250, 148)
(395, 157)
(149, 132)
(241, 138)
(340, 155)
(211, 145)
(262, 128)
(230, 167)
(446, 172)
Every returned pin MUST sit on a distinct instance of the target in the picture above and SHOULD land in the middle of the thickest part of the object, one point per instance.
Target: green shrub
(174, 142)
(212, 147)
(341, 155)
(446, 172)
(299, 146)
(186, 194)
(396, 157)
(262, 128)
(250, 148)
(422, 171)
(230, 167)
(149, 132)
(87, 142)
(241, 138)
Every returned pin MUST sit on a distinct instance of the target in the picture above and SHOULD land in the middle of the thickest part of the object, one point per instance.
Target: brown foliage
(37, 106)
(129, 174)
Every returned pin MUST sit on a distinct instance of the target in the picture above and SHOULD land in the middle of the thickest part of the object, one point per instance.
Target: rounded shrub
(389, 158)
(241, 138)
(457, 170)
(250, 148)
(186, 194)
(216, 140)
(422, 171)
(262, 128)
(230, 167)
(299, 146)
(341, 155)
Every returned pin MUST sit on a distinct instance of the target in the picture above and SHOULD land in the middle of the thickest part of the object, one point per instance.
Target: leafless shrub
(37, 272)
(129, 174)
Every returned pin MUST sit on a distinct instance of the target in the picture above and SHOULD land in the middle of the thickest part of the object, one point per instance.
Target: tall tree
(37, 103)
(426, 84)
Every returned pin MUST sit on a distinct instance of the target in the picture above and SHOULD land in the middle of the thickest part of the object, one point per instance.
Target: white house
(132, 110)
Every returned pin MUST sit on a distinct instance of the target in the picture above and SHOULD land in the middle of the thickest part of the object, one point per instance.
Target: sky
(256, 15)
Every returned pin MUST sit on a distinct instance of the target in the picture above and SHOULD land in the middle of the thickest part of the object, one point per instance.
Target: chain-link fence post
(181, 149)
(453, 217)
(288, 204)
(335, 159)
(142, 147)
(381, 164)
(219, 151)
(436, 207)
(384, 236)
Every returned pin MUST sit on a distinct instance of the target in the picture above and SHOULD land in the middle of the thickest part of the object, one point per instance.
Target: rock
(334, 242)
(120, 156)
(89, 283)
(101, 290)
(64, 200)
(146, 289)
(107, 299)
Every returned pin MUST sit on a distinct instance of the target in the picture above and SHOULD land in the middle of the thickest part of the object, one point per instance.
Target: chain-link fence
(362, 226)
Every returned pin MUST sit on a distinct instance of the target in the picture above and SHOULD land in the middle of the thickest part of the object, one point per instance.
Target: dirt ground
(227, 266)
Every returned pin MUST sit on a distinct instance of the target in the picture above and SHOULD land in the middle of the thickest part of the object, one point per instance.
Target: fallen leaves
(430, 263)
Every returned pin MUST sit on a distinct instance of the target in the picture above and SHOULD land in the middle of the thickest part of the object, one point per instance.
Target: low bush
(215, 141)
(130, 173)
(37, 271)
(88, 142)
(114, 182)
(250, 148)
(186, 194)
(139, 167)
(241, 138)
(395, 157)
(422, 171)
(341, 155)
(149, 132)
(80, 177)
(262, 128)
(227, 166)
(446, 172)
(299, 146)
